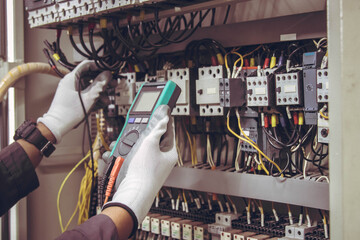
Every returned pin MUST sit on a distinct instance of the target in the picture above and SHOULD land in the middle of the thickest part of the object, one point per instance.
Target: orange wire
(114, 172)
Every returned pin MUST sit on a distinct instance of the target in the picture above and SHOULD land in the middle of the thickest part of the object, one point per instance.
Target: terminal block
(207, 91)
(323, 130)
(301, 231)
(186, 103)
(188, 229)
(230, 234)
(322, 86)
(125, 92)
(166, 226)
(162, 75)
(201, 232)
(289, 89)
(176, 228)
(259, 237)
(260, 91)
(243, 235)
(232, 92)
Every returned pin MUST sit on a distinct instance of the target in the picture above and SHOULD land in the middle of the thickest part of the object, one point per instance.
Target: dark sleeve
(17, 176)
(97, 228)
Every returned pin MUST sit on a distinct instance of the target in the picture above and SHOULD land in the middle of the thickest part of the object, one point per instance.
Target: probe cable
(113, 175)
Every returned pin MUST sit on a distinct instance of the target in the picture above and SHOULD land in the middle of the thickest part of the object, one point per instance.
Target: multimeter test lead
(113, 175)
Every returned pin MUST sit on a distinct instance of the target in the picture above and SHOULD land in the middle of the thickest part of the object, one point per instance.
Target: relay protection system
(250, 104)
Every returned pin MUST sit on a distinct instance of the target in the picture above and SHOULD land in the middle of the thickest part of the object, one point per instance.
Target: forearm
(122, 219)
(32, 152)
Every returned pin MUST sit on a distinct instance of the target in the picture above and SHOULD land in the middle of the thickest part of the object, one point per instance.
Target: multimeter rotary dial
(128, 142)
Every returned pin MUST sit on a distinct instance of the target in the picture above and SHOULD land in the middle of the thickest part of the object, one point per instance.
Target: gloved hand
(66, 111)
(149, 164)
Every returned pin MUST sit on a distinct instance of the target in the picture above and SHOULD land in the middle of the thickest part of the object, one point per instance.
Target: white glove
(151, 162)
(66, 111)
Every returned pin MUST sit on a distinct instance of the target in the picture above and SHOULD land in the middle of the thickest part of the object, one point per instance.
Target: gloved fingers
(106, 156)
(91, 94)
(84, 67)
(157, 132)
(112, 145)
(160, 113)
(72, 78)
(103, 78)
(168, 139)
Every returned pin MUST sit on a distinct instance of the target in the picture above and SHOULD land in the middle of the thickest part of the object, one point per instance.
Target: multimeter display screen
(146, 101)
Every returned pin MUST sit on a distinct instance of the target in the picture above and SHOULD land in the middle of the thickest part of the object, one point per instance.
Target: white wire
(323, 177)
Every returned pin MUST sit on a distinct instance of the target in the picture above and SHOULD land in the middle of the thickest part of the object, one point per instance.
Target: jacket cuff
(132, 214)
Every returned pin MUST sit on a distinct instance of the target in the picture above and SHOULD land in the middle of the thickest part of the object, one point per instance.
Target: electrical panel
(239, 115)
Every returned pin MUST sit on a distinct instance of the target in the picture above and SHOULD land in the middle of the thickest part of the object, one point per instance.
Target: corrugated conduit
(22, 70)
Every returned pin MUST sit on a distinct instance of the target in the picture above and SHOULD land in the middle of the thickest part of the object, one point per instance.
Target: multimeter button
(138, 120)
(128, 142)
(131, 120)
(145, 120)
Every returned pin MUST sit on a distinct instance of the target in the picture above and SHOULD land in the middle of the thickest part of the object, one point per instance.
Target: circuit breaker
(125, 92)
(207, 91)
(322, 86)
(232, 92)
(260, 91)
(185, 79)
(289, 89)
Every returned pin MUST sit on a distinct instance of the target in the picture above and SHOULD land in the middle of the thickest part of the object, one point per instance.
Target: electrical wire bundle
(86, 187)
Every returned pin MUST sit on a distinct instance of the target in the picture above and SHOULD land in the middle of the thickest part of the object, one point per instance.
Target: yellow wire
(253, 145)
(71, 218)
(62, 186)
(324, 217)
(323, 115)
(194, 148)
(103, 142)
(184, 196)
(191, 147)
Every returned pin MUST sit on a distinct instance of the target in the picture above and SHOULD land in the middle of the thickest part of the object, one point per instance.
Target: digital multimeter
(149, 97)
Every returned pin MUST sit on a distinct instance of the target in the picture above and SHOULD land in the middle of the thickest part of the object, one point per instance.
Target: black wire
(89, 136)
(227, 14)
(78, 49)
(52, 64)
